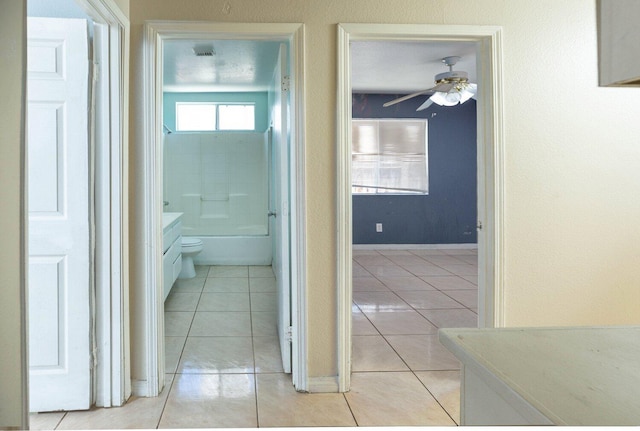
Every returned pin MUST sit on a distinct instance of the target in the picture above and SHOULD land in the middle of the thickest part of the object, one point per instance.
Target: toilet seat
(188, 243)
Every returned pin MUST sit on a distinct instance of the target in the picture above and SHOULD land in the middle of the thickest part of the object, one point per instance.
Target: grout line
(253, 351)
(434, 397)
(344, 395)
(166, 400)
(60, 421)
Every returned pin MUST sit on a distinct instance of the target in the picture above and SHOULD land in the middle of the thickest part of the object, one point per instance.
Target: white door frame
(112, 375)
(154, 34)
(490, 167)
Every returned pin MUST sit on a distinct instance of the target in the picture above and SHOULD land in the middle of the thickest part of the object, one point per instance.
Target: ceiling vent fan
(204, 51)
(451, 88)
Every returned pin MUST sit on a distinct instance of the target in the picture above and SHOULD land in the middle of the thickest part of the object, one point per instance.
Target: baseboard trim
(471, 246)
(323, 384)
(140, 388)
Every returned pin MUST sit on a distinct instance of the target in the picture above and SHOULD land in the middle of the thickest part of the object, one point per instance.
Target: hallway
(223, 361)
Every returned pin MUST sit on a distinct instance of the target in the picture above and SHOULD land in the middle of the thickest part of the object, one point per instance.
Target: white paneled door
(281, 259)
(58, 207)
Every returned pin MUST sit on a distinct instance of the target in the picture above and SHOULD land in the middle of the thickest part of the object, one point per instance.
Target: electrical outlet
(378, 227)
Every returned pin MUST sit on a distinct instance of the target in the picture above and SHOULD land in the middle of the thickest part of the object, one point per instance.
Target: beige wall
(12, 55)
(572, 163)
(123, 5)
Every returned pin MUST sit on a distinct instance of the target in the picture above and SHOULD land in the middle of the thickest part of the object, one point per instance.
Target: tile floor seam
(164, 405)
(456, 300)
(253, 350)
(346, 400)
(434, 397)
(60, 421)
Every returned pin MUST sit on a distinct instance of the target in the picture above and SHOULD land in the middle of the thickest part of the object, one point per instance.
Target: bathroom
(226, 171)
(217, 148)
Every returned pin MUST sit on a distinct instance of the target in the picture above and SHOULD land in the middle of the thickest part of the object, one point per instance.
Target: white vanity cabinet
(172, 249)
(618, 41)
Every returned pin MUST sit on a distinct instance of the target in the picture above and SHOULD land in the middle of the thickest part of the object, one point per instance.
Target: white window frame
(378, 188)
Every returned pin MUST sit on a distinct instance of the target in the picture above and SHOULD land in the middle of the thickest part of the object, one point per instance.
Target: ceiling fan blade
(407, 97)
(425, 105)
(443, 87)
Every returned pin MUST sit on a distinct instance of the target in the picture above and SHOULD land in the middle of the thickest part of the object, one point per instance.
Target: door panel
(281, 258)
(58, 204)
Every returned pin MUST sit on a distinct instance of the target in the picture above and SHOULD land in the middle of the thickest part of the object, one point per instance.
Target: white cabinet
(618, 41)
(541, 376)
(172, 249)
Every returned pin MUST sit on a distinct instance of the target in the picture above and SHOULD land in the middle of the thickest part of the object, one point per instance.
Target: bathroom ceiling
(236, 65)
(245, 65)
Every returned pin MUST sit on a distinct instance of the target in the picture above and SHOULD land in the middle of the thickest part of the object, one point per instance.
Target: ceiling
(237, 65)
(246, 65)
(405, 66)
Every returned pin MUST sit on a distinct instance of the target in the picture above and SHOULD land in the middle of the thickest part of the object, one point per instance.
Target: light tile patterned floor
(223, 361)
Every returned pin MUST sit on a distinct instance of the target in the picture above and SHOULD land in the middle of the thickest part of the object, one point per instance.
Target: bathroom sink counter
(563, 376)
(168, 219)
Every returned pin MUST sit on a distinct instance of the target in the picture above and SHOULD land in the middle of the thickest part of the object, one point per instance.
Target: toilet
(190, 248)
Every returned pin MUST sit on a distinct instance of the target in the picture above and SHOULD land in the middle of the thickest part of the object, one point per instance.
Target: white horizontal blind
(389, 156)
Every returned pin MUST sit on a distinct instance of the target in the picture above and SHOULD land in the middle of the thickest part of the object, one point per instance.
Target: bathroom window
(389, 156)
(195, 117)
(204, 116)
(236, 117)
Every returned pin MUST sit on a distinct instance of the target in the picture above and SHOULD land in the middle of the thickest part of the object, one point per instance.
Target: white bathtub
(234, 250)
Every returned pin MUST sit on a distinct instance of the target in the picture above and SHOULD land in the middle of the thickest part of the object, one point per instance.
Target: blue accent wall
(447, 215)
(259, 98)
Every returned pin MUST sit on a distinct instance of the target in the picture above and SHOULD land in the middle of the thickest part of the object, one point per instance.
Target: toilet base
(188, 269)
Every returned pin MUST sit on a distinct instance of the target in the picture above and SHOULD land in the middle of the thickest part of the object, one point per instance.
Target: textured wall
(448, 214)
(12, 319)
(572, 152)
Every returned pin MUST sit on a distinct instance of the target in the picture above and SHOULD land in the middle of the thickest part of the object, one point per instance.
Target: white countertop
(573, 376)
(169, 218)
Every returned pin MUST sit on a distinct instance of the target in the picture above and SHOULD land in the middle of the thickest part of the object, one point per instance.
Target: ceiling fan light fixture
(465, 95)
(461, 91)
(452, 88)
(446, 99)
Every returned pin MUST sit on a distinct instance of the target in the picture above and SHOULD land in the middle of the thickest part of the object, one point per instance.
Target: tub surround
(219, 181)
(171, 248)
(542, 376)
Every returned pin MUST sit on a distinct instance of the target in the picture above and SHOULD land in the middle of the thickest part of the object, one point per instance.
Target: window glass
(191, 117)
(389, 156)
(236, 117)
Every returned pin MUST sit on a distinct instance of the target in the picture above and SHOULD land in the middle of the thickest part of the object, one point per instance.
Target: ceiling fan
(451, 88)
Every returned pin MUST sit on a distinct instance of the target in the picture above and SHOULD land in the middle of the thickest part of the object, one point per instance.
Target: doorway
(226, 171)
(489, 156)
(292, 304)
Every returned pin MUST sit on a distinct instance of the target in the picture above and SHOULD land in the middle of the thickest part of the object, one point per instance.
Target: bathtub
(234, 250)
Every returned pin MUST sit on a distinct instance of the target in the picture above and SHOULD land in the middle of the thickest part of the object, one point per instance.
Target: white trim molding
(490, 166)
(113, 381)
(323, 384)
(155, 33)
